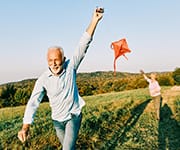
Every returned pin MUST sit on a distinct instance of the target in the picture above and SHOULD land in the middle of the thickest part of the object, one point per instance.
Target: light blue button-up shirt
(61, 90)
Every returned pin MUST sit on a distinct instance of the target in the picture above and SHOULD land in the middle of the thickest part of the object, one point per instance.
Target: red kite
(120, 48)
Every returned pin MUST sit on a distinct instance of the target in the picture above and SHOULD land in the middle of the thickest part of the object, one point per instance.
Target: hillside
(18, 93)
(116, 120)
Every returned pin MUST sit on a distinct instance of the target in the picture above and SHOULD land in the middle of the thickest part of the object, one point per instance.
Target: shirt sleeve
(33, 103)
(147, 79)
(80, 50)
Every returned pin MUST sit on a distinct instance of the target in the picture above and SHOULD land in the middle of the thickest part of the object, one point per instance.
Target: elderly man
(59, 83)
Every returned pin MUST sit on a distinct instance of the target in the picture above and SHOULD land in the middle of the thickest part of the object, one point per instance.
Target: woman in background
(155, 91)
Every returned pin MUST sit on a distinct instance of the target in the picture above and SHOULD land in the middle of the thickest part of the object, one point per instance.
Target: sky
(28, 28)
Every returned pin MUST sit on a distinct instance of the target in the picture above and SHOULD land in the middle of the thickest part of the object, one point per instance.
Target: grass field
(117, 120)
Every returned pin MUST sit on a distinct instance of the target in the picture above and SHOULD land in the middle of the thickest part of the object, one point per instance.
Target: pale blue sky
(28, 28)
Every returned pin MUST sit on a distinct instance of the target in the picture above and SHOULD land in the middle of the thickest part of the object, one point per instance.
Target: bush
(176, 76)
(166, 80)
(7, 96)
(21, 96)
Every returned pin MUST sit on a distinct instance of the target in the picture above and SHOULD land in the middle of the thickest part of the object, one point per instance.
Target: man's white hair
(57, 48)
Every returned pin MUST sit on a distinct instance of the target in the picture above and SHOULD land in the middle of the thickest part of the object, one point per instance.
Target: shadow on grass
(120, 135)
(169, 130)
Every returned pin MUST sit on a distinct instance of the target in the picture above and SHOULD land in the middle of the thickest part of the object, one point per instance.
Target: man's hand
(142, 72)
(23, 134)
(100, 10)
(97, 15)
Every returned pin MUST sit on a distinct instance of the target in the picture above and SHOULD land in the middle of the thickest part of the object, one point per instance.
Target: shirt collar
(49, 73)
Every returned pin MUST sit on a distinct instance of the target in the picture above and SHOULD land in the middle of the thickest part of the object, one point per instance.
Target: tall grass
(117, 120)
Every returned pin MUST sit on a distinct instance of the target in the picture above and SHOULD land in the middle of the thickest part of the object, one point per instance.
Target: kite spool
(100, 9)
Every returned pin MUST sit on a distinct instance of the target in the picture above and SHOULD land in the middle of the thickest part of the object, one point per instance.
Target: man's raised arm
(97, 15)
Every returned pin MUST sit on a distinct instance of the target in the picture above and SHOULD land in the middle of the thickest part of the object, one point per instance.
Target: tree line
(18, 93)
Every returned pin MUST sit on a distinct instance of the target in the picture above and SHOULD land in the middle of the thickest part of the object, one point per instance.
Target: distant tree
(107, 85)
(176, 76)
(166, 80)
(119, 85)
(141, 83)
(85, 88)
(21, 97)
(8, 91)
(131, 83)
(7, 95)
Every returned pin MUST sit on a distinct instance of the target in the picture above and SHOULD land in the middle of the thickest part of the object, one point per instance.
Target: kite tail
(114, 67)
(125, 56)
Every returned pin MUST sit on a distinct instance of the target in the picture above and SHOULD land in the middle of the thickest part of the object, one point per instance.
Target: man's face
(55, 60)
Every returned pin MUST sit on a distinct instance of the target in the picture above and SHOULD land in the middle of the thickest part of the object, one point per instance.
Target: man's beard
(56, 70)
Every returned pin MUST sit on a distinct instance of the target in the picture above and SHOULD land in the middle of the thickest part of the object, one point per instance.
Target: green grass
(117, 120)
